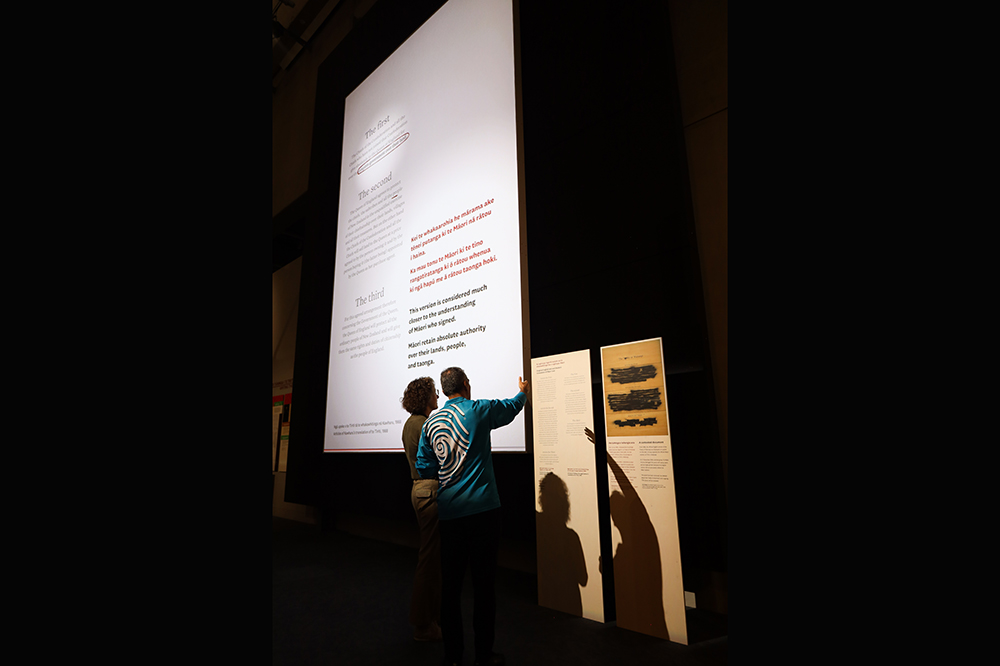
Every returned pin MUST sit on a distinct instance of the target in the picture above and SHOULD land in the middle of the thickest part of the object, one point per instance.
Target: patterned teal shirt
(455, 448)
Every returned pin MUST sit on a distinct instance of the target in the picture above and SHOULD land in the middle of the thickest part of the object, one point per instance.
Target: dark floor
(343, 599)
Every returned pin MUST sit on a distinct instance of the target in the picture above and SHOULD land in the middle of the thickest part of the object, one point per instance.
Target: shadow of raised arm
(627, 489)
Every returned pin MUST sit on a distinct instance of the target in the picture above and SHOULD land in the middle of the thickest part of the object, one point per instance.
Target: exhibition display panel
(649, 587)
(566, 512)
(429, 249)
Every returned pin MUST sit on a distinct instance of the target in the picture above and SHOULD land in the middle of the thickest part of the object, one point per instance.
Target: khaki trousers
(426, 605)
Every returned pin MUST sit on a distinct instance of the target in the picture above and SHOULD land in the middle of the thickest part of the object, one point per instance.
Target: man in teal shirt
(455, 448)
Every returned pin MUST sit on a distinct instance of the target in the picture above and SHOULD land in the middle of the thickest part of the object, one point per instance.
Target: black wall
(612, 255)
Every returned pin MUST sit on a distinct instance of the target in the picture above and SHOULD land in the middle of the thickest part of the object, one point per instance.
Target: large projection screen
(429, 255)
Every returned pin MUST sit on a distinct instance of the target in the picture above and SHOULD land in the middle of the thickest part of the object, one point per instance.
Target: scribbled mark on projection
(393, 145)
(631, 423)
(632, 375)
(635, 400)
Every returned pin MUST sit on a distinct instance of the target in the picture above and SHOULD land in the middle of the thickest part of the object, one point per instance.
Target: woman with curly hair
(420, 399)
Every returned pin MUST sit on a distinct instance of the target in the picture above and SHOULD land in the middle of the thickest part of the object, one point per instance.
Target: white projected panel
(428, 258)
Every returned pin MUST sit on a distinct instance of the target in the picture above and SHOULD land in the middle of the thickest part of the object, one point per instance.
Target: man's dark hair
(452, 380)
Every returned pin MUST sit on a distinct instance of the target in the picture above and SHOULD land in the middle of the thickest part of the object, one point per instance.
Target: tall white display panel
(649, 587)
(567, 528)
(429, 235)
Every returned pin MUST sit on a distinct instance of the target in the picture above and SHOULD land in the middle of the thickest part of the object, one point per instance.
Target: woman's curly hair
(417, 395)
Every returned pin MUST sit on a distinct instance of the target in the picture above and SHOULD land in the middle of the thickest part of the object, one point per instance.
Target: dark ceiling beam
(299, 29)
